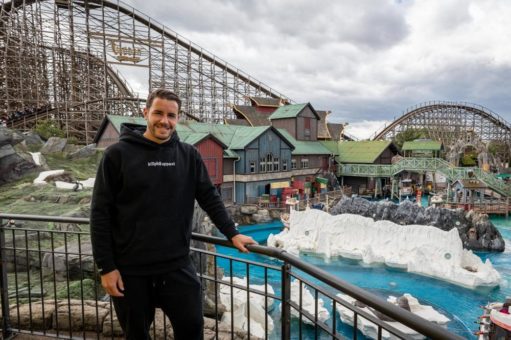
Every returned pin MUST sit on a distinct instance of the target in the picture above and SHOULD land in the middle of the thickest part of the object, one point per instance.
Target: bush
(469, 160)
(47, 129)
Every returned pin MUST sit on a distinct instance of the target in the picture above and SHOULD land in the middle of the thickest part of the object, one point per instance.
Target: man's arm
(102, 206)
(210, 200)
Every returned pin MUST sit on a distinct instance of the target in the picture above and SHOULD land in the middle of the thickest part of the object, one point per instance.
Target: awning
(279, 185)
(322, 180)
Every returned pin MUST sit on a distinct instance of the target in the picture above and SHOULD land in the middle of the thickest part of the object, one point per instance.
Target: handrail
(407, 318)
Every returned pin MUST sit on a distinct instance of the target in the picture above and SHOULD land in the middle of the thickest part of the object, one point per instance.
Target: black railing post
(4, 291)
(286, 306)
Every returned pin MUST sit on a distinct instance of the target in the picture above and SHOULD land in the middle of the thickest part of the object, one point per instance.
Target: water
(461, 305)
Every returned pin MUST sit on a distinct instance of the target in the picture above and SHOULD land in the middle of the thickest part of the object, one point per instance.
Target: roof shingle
(362, 151)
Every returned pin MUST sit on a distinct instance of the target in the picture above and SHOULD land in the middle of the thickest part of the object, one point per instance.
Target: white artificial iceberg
(78, 185)
(257, 304)
(424, 250)
(41, 179)
(308, 304)
(36, 157)
(370, 329)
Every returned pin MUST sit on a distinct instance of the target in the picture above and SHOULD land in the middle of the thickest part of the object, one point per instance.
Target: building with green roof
(300, 120)
(367, 152)
(360, 153)
(422, 148)
(252, 158)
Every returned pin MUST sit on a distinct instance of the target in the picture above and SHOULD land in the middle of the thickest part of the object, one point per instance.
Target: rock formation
(13, 164)
(476, 230)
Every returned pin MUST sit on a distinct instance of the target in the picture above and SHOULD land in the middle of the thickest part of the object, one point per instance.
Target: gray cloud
(363, 60)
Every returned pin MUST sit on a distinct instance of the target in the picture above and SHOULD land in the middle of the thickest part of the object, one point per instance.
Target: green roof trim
(305, 147)
(422, 145)
(118, 120)
(362, 151)
(288, 111)
(230, 154)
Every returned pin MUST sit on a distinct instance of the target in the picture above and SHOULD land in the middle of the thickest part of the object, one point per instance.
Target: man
(141, 215)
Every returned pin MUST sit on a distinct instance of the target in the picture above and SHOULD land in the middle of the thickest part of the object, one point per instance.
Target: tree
(408, 135)
(48, 128)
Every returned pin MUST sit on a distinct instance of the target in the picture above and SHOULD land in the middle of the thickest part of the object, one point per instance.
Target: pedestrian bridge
(439, 165)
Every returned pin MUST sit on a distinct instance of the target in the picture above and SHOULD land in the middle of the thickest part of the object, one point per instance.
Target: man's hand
(112, 282)
(240, 241)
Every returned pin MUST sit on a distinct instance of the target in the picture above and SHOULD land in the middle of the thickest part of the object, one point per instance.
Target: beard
(162, 131)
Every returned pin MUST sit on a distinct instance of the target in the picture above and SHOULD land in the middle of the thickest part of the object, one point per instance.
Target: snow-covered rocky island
(370, 329)
(424, 250)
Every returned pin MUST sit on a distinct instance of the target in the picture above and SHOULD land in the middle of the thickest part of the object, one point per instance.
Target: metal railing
(42, 267)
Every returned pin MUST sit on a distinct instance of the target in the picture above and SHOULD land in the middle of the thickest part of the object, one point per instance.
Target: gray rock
(54, 144)
(248, 209)
(86, 151)
(8, 136)
(12, 165)
(262, 216)
(71, 148)
(73, 266)
(486, 236)
(32, 138)
(6, 150)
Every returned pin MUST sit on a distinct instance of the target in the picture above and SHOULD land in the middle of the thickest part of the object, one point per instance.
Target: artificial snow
(36, 157)
(370, 329)
(76, 186)
(257, 304)
(308, 304)
(419, 249)
(41, 179)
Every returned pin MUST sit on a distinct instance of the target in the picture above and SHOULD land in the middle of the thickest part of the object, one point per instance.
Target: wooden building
(210, 147)
(366, 152)
(300, 120)
(244, 162)
(422, 148)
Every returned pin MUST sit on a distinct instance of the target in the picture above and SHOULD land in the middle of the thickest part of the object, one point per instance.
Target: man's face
(161, 120)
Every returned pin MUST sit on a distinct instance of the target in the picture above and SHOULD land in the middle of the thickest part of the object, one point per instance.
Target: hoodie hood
(134, 133)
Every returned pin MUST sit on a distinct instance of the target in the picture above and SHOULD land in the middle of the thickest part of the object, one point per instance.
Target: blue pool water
(460, 304)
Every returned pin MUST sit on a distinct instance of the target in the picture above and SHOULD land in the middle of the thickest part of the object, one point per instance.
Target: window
(252, 167)
(307, 127)
(307, 122)
(305, 163)
(262, 165)
(269, 163)
(276, 164)
(293, 164)
(284, 165)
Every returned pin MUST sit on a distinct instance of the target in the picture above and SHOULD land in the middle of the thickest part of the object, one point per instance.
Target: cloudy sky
(365, 60)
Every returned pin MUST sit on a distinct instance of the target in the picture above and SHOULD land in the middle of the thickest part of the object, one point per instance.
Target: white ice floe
(36, 157)
(424, 250)
(79, 185)
(308, 304)
(88, 183)
(370, 329)
(41, 179)
(257, 304)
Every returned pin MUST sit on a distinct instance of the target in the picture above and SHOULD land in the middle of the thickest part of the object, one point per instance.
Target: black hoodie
(143, 202)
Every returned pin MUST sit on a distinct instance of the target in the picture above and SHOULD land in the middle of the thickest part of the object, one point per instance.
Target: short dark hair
(162, 94)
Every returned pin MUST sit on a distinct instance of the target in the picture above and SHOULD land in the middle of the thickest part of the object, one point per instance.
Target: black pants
(177, 293)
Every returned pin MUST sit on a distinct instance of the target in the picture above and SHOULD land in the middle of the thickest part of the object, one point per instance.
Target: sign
(125, 53)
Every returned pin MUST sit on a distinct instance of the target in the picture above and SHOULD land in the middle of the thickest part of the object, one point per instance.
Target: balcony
(42, 268)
